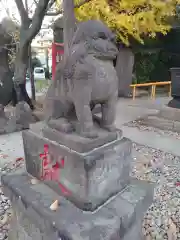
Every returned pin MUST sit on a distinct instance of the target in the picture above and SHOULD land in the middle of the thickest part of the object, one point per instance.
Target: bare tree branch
(6, 8)
(60, 11)
(35, 2)
(37, 18)
(51, 3)
(22, 11)
(51, 14)
(26, 5)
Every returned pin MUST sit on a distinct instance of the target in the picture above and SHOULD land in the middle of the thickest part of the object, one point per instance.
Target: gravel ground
(5, 205)
(162, 220)
(141, 127)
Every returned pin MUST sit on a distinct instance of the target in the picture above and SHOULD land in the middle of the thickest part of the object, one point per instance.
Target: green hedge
(152, 67)
(154, 59)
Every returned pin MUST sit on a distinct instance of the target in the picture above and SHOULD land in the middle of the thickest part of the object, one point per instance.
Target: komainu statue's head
(97, 38)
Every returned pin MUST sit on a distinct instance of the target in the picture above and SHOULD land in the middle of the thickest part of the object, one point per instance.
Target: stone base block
(87, 179)
(158, 122)
(167, 119)
(16, 120)
(175, 103)
(118, 218)
(170, 113)
(80, 144)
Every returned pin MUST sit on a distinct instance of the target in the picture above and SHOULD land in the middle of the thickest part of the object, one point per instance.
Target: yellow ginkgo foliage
(130, 18)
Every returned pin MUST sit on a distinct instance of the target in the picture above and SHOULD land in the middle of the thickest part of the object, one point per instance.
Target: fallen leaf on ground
(34, 181)
(4, 219)
(172, 231)
(19, 159)
(148, 237)
(177, 184)
(54, 205)
(9, 212)
(143, 162)
(3, 156)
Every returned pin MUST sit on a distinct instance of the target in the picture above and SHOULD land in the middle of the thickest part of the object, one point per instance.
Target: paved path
(157, 104)
(153, 140)
(129, 110)
(11, 146)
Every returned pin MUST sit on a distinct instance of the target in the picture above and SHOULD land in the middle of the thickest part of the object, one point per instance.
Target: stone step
(158, 122)
(153, 140)
(170, 113)
(161, 123)
(33, 219)
(87, 179)
(166, 119)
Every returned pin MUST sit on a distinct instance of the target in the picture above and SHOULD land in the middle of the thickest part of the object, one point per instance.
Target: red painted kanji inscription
(51, 170)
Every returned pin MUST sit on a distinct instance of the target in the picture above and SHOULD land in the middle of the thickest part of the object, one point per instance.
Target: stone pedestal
(118, 219)
(89, 177)
(97, 198)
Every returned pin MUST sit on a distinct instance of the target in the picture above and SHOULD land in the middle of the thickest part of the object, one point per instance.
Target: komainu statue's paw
(61, 124)
(110, 128)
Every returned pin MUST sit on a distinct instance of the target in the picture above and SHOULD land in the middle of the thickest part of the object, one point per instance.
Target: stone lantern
(175, 85)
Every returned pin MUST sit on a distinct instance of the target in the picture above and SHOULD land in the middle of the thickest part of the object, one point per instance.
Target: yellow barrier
(153, 87)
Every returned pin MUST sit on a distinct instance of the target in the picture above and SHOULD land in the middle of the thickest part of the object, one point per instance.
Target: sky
(8, 8)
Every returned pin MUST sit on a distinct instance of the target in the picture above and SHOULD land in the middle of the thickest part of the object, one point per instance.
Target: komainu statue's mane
(81, 43)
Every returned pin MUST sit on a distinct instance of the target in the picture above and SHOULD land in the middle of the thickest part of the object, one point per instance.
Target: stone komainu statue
(87, 77)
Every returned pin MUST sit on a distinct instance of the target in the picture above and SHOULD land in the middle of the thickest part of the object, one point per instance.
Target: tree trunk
(31, 76)
(69, 22)
(6, 83)
(47, 58)
(21, 65)
(124, 68)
